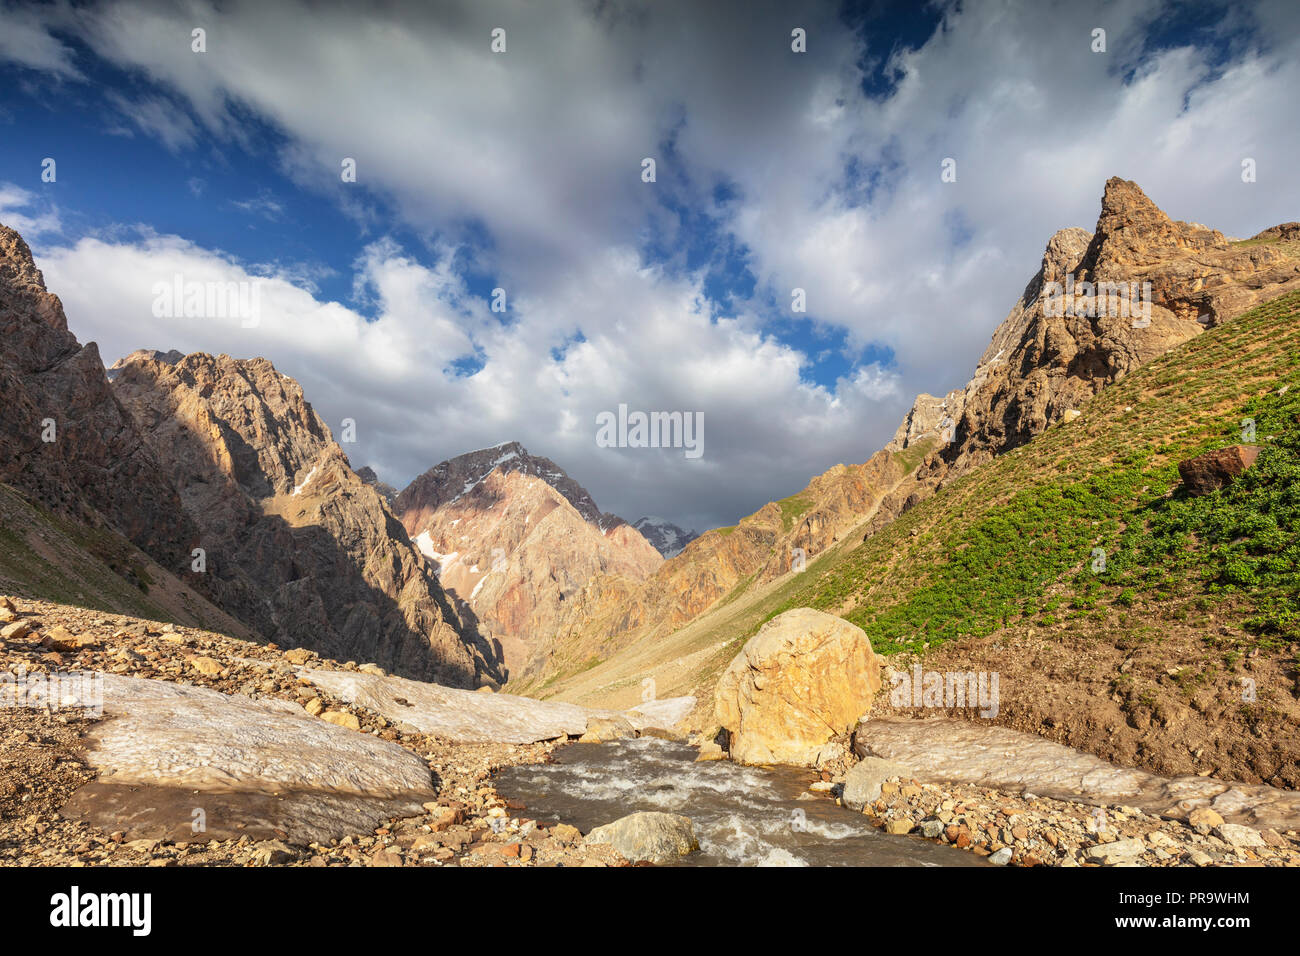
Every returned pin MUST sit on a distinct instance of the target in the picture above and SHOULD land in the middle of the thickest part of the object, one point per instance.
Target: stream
(745, 816)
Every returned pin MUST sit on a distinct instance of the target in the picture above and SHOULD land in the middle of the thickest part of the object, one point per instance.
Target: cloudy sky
(523, 170)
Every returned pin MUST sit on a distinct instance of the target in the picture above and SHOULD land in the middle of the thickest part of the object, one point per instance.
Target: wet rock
(863, 782)
(602, 729)
(651, 836)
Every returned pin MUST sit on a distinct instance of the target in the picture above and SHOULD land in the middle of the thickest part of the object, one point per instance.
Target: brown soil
(1166, 698)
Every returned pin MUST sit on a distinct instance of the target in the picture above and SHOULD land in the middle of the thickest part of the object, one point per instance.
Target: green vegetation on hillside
(987, 551)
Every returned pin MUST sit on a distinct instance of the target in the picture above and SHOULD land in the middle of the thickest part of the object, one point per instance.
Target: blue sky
(521, 170)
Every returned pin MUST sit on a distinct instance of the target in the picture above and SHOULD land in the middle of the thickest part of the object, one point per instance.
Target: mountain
(514, 539)
(65, 440)
(1040, 372)
(667, 538)
(297, 544)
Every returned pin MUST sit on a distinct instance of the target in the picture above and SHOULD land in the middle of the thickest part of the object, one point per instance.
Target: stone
(566, 833)
(898, 826)
(862, 784)
(272, 853)
(373, 669)
(803, 679)
(314, 707)
(1215, 469)
(15, 631)
(342, 718)
(932, 829)
(298, 655)
(649, 836)
(1204, 817)
(206, 666)
(444, 817)
(603, 729)
(1121, 851)
(1001, 857)
(1237, 835)
(710, 751)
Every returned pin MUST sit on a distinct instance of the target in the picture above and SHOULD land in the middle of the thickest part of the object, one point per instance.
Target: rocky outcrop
(296, 544)
(1215, 469)
(805, 678)
(514, 539)
(1082, 322)
(65, 440)
(649, 836)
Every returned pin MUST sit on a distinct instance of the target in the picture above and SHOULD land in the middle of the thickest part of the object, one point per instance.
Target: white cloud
(540, 148)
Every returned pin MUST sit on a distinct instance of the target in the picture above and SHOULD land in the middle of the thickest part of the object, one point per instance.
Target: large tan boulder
(803, 679)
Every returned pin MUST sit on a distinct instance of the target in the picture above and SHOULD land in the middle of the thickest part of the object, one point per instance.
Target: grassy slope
(982, 553)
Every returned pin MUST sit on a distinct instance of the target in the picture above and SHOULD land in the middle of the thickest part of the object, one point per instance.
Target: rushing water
(742, 815)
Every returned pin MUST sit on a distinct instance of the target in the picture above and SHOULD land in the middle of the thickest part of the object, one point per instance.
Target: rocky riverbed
(70, 794)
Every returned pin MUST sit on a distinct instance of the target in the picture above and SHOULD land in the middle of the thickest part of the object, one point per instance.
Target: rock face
(297, 545)
(667, 538)
(514, 539)
(1215, 469)
(387, 491)
(803, 679)
(649, 836)
(1040, 364)
(95, 467)
(253, 766)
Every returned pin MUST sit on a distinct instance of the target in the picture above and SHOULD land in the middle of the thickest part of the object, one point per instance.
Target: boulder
(802, 680)
(1215, 469)
(862, 783)
(1235, 834)
(650, 836)
(602, 729)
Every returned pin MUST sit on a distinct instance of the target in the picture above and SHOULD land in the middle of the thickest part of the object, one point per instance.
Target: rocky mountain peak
(514, 540)
(668, 539)
(450, 480)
